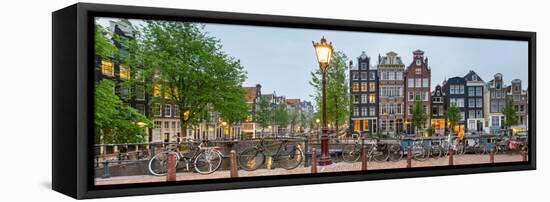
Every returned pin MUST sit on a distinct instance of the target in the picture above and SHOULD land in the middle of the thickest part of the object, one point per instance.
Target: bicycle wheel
(251, 159)
(380, 154)
(460, 149)
(289, 159)
(419, 153)
(436, 152)
(208, 161)
(395, 152)
(351, 153)
(158, 165)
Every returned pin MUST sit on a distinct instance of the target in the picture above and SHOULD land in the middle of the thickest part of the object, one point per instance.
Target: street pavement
(335, 167)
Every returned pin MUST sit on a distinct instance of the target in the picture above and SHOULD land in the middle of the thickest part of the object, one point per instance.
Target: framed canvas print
(156, 100)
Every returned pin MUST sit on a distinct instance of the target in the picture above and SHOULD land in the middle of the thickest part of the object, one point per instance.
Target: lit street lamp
(323, 51)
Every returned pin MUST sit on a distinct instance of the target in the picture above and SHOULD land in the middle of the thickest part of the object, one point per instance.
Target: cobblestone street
(336, 167)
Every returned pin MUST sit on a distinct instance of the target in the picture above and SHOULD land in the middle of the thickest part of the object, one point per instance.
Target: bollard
(524, 155)
(492, 156)
(451, 151)
(105, 169)
(171, 167)
(233, 164)
(409, 158)
(313, 160)
(306, 149)
(363, 158)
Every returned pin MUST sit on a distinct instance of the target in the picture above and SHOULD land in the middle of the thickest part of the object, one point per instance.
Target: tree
(103, 45)
(116, 122)
(509, 112)
(452, 115)
(281, 116)
(337, 92)
(263, 113)
(418, 115)
(186, 67)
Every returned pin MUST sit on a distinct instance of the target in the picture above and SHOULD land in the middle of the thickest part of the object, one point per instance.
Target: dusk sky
(281, 59)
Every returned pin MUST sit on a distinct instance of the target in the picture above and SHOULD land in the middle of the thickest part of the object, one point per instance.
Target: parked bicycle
(203, 159)
(375, 151)
(287, 155)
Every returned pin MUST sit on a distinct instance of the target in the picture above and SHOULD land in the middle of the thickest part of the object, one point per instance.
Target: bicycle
(286, 156)
(204, 160)
(375, 150)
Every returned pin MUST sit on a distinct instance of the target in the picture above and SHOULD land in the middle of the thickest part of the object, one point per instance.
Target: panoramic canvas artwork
(180, 101)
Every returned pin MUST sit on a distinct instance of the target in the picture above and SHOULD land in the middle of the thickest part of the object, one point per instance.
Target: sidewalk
(336, 167)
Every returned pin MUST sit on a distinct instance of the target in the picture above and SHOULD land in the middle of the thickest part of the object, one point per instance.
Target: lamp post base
(325, 156)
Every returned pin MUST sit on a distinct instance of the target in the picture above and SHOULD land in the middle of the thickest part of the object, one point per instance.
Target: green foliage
(116, 122)
(509, 112)
(337, 90)
(452, 115)
(281, 116)
(418, 115)
(263, 112)
(103, 45)
(189, 69)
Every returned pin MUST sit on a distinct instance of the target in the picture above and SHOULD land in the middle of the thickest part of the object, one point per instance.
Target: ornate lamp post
(323, 51)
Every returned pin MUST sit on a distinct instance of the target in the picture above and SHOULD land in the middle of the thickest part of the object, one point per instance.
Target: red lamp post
(324, 51)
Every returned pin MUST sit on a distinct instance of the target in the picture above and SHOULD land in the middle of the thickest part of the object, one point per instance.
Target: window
(425, 83)
(167, 110)
(354, 76)
(372, 75)
(391, 75)
(418, 71)
(479, 91)
(176, 111)
(364, 86)
(124, 92)
(371, 111)
(363, 98)
(166, 124)
(398, 75)
(372, 86)
(107, 68)
(371, 98)
(124, 73)
(479, 114)
(141, 108)
(418, 62)
(365, 124)
(363, 66)
(418, 83)
(411, 96)
(363, 75)
(355, 87)
(471, 91)
(521, 108)
(355, 99)
(355, 111)
(357, 125)
(494, 106)
(498, 94)
(495, 121)
(410, 83)
(471, 114)
(156, 90)
(157, 110)
(140, 92)
(471, 102)
(479, 102)
(364, 111)
(458, 102)
(462, 116)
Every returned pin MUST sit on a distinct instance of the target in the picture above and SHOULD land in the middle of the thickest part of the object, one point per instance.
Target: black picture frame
(72, 99)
